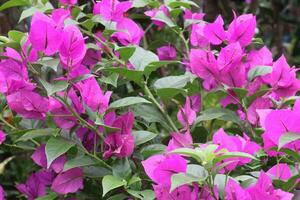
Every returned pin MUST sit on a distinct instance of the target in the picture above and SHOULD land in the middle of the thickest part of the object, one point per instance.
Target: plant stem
(111, 53)
(89, 126)
(186, 44)
(161, 109)
(6, 123)
(80, 119)
(98, 159)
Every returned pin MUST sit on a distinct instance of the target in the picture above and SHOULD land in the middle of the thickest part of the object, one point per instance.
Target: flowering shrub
(143, 100)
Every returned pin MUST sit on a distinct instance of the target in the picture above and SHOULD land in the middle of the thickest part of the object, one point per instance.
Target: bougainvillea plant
(144, 100)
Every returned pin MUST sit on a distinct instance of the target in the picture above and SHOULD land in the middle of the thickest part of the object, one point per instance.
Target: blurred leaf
(169, 93)
(139, 3)
(160, 16)
(132, 75)
(195, 173)
(152, 149)
(141, 137)
(143, 195)
(149, 114)
(184, 3)
(126, 52)
(14, 3)
(110, 182)
(118, 197)
(287, 138)
(218, 113)
(291, 153)
(79, 161)
(99, 121)
(127, 101)
(37, 133)
(221, 181)
(259, 71)
(32, 10)
(141, 58)
(156, 64)
(52, 63)
(240, 92)
(226, 155)
(111, 79)
(121, 168)
(50, 196)
(54, 87)
(172, 81)
(16, 36)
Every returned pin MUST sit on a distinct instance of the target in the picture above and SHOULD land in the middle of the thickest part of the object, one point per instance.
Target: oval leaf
(288, 138)
(127, 101)
(55, 147)
(110, 182)
(259, 71)
(141, 137)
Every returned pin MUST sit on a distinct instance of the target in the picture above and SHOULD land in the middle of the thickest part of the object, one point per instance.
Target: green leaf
(233, 155)
(141, 137)
(221, 181)
(149, 114)
(118, 197)
(170, 86)
(246, 180)
(126, 52)
(189, 152)
(32, 10)
(141, 58)
(172, 81)
(50, 62)
(110, 182)
(156, 64)
(127, 101)
(37, 133)
(14, 3)
(16, 36)
(99, 121)
(28, 13)
(169, 93)
(132, 75)
(50, 196)
(259, 71)
(240, 92)
(218, 113)
(79, 161)
(55, 147)
(259, 93)
(54, 87)
(291, 153)
(143, 195)
(184, 3)
(139, 3)
(121, 168)
(111, 79)
(134, 179)
(160, 16)
(152, 149)
(96, 171)
(195, 173)
(288, 137)
(109, 25)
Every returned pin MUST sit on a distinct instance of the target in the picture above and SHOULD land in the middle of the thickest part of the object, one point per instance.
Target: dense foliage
(145, 100)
